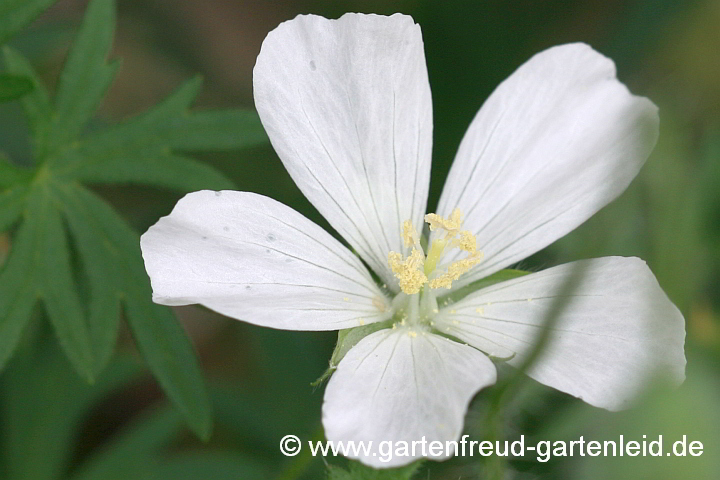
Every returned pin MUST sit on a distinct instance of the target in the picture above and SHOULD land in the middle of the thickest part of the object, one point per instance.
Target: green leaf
(40, 445)
(10, 175)
(138, 452)
(12, 203)
(36, 104)
(55, 282)
(39, 267)
(141, 150)
(170, 356)
(101, 260)
(18, 294)
(13, 87)
(160, 169)
(84, 286)
(110, 251)
(133, 452)
(86, 76)
(217, 465)
(16, 14)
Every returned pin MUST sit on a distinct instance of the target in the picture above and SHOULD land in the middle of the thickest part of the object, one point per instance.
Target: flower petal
(616, 330)
(557, 141)
(400, 385)
(252, 258)
(346, 104)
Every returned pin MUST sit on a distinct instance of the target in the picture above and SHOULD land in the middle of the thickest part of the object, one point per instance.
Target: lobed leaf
(45, 201)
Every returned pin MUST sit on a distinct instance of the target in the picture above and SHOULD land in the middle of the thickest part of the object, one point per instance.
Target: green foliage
(71, 253)
(16, 14)
(140, 451)
(41, 445)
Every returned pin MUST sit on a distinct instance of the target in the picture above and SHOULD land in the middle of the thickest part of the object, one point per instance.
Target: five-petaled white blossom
(346, 104)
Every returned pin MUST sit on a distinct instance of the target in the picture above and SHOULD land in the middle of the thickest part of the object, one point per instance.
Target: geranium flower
(347, 106)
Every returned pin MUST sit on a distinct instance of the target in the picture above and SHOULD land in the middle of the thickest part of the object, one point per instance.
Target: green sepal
(348, 338)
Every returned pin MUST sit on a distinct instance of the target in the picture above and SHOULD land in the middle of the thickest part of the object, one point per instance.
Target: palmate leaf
(71, 253)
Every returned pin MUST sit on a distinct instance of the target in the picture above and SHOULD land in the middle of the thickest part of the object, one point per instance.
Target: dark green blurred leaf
(16, 14)
(217, 465)
(133, 452)
(37, 105)
(43, 405)
(18, 294)
(11, 176)
(673, 213)
(13, 87)
(139, 452)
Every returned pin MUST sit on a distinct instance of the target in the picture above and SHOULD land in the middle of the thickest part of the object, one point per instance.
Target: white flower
(347, 106)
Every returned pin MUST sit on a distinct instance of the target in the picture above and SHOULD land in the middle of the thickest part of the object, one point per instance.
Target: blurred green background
(54, 426)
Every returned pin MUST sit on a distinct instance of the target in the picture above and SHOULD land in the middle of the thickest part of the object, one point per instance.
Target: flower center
(414, 270)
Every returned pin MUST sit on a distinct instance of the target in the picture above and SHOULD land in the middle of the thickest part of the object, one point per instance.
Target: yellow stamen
(466, 242)
(409, 271)
(455, 270)
(451, 224)
(410, 235)
(413, 271)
